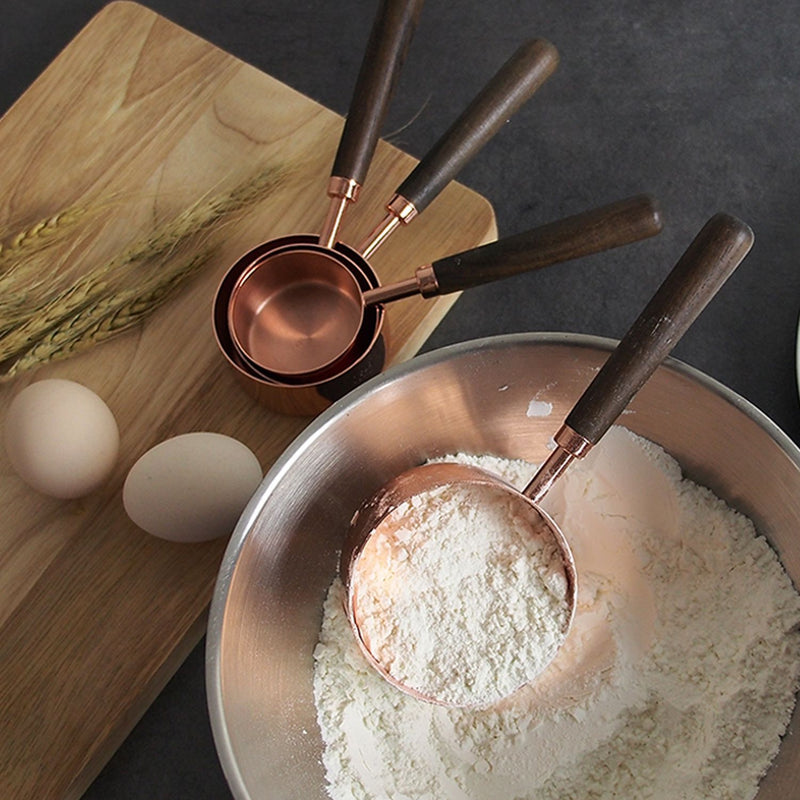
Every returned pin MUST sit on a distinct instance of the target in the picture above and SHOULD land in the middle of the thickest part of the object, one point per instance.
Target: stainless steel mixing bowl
(282, 557)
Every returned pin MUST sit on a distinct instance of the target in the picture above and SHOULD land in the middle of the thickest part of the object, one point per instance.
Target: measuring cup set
(302, 318)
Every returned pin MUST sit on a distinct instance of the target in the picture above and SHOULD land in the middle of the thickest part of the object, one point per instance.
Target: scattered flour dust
(539, 408)
(500, 576)
(676, 682)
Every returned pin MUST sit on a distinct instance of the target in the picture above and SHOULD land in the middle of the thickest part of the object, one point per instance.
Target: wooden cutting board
(141, 117)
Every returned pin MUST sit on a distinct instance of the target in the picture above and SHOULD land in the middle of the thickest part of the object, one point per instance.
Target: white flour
(676, 682)
(459, 597)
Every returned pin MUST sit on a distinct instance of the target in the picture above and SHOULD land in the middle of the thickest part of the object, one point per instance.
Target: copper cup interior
(297, 312)
(365, 359)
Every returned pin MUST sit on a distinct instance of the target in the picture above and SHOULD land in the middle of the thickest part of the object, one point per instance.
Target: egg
(192, 487)
(61, 438)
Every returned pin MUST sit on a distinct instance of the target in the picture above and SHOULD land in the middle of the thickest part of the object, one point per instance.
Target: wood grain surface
(141, 117)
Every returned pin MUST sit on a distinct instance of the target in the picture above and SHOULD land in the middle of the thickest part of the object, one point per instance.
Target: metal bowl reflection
(283, 555)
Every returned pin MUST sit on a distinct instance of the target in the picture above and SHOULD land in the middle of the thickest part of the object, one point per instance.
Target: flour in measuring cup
(461, 597)
(676, 682)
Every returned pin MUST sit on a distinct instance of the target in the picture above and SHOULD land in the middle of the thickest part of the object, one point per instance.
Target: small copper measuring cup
(299, 314)
(302, 317)
(283, 308)
(710, 259)
(582, 234)
(305, 397)
(386, 48)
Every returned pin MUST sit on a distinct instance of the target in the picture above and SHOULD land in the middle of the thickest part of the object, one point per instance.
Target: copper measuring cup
(582, 234)
(296, 312)
(386, 48)
(282, 309)
(710, 259)
(304, 397)
(388, 41)
(333, 299)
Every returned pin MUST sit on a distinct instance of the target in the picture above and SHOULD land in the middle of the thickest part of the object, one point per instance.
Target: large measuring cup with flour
(377, 527)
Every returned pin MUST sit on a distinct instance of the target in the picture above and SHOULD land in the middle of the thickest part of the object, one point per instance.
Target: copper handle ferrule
(426, 280)
(569, 445)
(424, 283)
(342, 192)
(399, 211)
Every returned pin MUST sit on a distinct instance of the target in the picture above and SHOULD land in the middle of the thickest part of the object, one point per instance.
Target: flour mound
(676, 682)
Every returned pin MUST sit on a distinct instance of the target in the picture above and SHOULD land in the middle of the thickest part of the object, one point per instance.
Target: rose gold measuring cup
(299, 290)
(283, 309)
(386, 49)
(710, 259)
(305, 397)
(582, 234)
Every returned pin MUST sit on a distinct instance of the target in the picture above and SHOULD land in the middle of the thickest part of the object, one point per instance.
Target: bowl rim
(318, 426)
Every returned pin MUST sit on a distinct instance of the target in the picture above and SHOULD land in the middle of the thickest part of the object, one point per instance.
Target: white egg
(192, 487)
(61, 438)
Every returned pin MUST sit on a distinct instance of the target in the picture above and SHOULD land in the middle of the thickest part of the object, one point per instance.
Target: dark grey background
(695, 102)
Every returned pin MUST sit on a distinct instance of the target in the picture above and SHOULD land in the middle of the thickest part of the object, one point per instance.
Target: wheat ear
(108, 317)
(40, 235)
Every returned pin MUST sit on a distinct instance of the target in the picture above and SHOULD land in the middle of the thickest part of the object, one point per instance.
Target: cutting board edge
(134, 714)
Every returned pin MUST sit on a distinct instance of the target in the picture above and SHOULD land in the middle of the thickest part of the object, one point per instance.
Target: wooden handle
(386, 49)
(515, 82)
(705, 266)
(592, 231)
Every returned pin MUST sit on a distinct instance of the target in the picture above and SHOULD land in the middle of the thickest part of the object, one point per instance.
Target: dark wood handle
(386, 49)
(705, 266)
(515, 82)
(592, 231)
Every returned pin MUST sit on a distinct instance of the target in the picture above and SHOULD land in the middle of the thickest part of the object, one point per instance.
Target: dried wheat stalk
(111, 315)
(113, 296)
